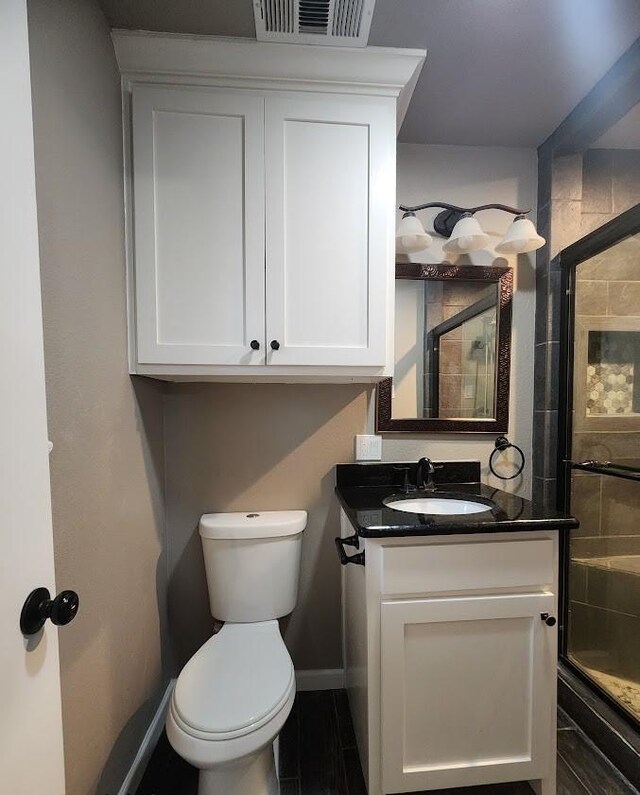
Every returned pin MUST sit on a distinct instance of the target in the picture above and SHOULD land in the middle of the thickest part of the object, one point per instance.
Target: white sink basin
(441, 506)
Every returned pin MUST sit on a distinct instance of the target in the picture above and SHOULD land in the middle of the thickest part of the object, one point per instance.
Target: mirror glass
(445, 349)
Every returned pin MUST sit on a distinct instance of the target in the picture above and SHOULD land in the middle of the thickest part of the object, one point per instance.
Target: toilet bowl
(234, 695)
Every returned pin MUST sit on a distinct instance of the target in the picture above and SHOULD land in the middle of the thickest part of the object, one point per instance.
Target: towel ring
(502, 444)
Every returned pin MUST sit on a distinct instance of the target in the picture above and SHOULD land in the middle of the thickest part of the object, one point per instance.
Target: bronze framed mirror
(452, 351)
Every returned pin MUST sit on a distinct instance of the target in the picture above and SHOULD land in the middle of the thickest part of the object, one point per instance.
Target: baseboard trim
(320, 679)
(149, 741)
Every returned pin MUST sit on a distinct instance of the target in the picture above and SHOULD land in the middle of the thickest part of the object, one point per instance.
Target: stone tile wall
(577, 193)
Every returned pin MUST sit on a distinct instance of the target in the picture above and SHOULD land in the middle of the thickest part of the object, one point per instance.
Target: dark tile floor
(318, 756)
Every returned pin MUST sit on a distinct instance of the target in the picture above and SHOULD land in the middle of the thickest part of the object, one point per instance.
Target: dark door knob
(39, 606)
(550, 621)
(275, 345)
(255, 345)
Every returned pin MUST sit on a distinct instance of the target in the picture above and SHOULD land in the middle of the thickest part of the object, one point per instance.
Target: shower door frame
(567, 261)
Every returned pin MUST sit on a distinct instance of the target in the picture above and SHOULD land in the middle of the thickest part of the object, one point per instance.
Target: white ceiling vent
(343, 23)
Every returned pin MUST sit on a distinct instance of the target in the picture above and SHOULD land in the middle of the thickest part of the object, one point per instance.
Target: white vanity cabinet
(261, 210)
(450, 655)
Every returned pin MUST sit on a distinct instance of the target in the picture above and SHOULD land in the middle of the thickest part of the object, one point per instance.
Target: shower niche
(608, 364)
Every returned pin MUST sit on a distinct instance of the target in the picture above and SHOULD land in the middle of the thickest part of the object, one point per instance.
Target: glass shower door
(602, 637)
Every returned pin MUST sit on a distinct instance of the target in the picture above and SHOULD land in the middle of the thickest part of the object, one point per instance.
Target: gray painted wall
(107, 461)
(257, 447)
(226, 447)
(247, 447)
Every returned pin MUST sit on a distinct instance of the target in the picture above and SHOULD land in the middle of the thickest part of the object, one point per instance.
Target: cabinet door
(467, 691)
(330, 225)
(198, 185)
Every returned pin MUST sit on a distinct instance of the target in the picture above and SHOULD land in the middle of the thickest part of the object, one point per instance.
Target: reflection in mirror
(445, 363)
(452, 351)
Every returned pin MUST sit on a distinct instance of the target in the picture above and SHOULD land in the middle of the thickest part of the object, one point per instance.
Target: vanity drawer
(469, 566)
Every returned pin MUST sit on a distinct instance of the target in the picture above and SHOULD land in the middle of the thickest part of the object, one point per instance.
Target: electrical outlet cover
(368, 447)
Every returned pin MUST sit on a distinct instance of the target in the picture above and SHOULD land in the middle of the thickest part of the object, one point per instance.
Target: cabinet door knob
(549, 620)
(255, 345)
(275, 345)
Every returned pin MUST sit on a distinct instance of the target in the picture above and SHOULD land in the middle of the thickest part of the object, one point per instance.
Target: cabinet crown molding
(178, 58)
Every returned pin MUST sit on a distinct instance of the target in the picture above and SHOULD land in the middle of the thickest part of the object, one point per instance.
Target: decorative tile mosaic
(614, 356)
(609, 389)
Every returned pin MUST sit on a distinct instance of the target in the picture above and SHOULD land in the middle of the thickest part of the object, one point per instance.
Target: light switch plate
(368, 447)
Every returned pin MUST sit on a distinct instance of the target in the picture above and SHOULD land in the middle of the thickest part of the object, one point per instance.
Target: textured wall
(247, 447)
(577, 193)
(587, 174)
(107, 461)
(469, 176)
(587, 191)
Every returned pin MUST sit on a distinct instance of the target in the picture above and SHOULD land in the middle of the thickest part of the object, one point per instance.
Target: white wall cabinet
(261, 219)
(198, 186)
(327, 188)
(451, 678)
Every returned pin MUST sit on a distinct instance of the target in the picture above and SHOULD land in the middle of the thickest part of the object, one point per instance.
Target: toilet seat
(237, 682)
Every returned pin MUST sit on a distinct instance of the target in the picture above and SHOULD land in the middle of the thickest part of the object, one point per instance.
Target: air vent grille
(278, 16)
(313, 16)
(336, 22)
(348, 17)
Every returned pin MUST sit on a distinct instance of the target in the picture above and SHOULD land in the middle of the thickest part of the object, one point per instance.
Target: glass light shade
(410, 236)
(521, 237)
(467, 235)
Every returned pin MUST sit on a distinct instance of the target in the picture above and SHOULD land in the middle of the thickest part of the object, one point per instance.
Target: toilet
(235, 694)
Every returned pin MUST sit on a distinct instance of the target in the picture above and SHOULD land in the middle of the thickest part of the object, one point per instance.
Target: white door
(31, 761)
(467, 691)
(330, 187)
(198, 186)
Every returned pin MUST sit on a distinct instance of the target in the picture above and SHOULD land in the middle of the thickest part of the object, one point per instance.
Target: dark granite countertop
(362, 489)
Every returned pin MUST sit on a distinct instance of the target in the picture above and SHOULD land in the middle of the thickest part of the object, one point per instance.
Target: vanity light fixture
(410, 235)
(463, 230)
(467, 235)
(520, 238)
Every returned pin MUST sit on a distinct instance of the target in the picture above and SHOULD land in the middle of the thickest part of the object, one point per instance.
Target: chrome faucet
(425, 475)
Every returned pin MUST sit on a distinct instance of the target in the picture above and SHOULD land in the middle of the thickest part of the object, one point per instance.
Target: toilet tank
(252, 561)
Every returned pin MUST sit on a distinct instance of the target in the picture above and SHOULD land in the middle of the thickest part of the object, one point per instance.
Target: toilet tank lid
(254, 524)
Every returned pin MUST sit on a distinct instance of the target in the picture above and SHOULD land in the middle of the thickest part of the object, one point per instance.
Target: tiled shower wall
(463, 378)
(577, 193)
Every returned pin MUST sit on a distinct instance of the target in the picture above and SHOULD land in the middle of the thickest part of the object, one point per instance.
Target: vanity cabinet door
(330, 165)
(198, 193)
(467, 690)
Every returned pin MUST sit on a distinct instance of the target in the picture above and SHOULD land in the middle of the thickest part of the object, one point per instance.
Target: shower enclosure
(599, 466)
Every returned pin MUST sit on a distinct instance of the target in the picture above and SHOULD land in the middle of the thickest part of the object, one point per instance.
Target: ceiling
(498, 72)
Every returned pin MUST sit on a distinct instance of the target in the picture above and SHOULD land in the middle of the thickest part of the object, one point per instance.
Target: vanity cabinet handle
(549, 620)
(254, 345)
(352, 541)
(275, 345)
